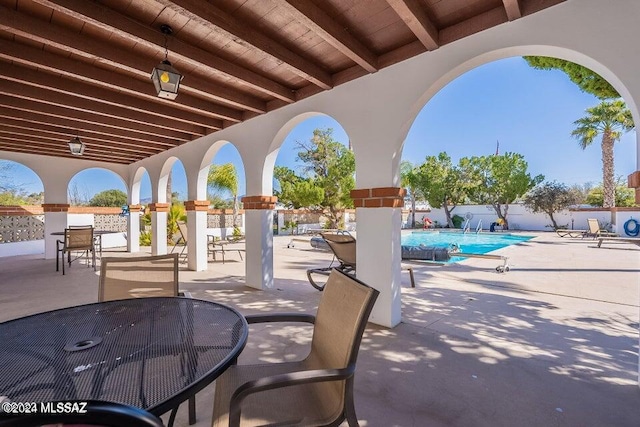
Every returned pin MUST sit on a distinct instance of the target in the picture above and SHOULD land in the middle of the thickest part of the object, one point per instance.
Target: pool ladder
(467, 226)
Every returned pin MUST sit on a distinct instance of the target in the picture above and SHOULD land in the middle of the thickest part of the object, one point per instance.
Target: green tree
(442, 184)
(409, 180)
(550, 198)
(331, 167)
(109, 198)
(611, 120)
(225, 178)
(294, 191)
(501, 179)
(625, 196)
(587, 80)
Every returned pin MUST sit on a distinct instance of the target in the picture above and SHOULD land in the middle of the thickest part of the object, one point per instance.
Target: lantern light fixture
(165, 78)
(76, 146)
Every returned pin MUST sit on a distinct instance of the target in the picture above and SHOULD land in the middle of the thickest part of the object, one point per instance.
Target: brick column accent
(633, 181)
(196, 205)
(135, 208)
(159, 207)
(259, 202)
(382, 197)
(55, 207)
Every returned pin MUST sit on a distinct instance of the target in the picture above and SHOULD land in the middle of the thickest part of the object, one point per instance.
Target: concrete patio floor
(553, 342)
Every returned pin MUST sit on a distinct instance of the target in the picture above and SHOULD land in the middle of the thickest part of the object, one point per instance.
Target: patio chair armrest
(283, 380)
(281, 317)
(185, 294)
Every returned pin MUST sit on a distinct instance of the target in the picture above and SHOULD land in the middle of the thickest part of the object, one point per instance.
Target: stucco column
(133, 228)
(55, 219)
(379, 214)
(197, 233)
(259, 231)
(159, 227)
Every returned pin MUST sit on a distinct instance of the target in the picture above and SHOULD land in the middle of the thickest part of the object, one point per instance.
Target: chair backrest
(343, 247)
(182, 228)
(78, 238)
(138, 277)
(342, 316)
(95, 413)
(594, 225)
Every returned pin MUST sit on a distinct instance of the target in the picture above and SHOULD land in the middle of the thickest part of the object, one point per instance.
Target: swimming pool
(480, 243)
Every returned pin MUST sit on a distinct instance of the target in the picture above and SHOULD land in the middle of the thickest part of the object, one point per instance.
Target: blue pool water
(467, 242)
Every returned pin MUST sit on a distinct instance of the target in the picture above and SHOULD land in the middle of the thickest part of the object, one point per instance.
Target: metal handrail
(479, 227)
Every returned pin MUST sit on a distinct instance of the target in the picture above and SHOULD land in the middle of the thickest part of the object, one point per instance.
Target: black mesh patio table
(152, 353)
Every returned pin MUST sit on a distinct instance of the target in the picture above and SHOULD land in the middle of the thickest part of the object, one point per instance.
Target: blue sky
(528, 111)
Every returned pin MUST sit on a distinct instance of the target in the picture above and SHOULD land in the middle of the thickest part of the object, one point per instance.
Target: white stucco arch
(26, 166)
(160, 180)
(278, 140)
(207, 160)
(517, 51)
(120, 177)
(135, 185)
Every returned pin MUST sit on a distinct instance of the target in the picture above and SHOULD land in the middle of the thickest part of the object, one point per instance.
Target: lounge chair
(634, 240)
(343, 246)
(181, 240)
(232, 244)
(315, 391)
(595, 231)
(564, 232)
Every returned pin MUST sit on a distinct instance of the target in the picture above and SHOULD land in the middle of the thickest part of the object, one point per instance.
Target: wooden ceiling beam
(210, 15)
(327, 28)
(100, 109)
(413, 14)
(87, 117)
(19, 149)
(84, 90)
(76, 127)
(95, 152)
(126, 102)
(78, 70)
(110, 20)
(96, 50)
(65, 137)
(512, 7)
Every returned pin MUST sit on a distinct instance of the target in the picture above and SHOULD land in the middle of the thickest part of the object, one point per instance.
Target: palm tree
(611, 119)
(224, 177)
(408, 181)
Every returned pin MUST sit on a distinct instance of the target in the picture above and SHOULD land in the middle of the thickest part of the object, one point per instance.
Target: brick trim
(135, 208)
(633, 181)
(196, 205)
(159, 207)
(259, 202)
(380, 197)
(55, 207)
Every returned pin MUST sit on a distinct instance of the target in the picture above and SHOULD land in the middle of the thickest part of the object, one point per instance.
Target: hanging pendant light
(76, 146)
(165, 78)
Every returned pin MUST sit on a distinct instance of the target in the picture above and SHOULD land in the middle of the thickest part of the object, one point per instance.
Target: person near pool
(498, 222)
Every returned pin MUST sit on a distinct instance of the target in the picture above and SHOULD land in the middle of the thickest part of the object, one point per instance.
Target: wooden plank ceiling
(82, 67)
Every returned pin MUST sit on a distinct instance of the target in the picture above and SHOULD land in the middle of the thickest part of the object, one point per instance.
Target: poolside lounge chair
(315, 391)
(564, 232)
(232, 244)
(343, 246)
(181, 240)
(634, 240)
(595, 231)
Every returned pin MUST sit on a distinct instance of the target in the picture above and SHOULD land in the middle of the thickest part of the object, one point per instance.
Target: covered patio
(545, 344)
(253, 71)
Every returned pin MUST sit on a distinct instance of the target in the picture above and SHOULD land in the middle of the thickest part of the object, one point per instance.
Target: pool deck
(553, 342)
